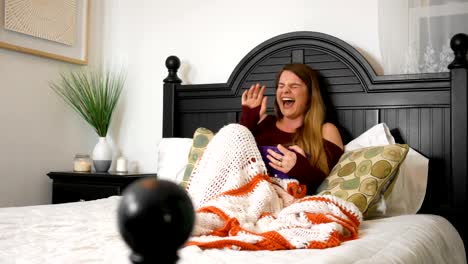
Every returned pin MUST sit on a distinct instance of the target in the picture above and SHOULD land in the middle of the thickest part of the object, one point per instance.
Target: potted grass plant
(93, 94)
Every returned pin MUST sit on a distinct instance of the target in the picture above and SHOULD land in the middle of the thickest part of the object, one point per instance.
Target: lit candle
(82, 163)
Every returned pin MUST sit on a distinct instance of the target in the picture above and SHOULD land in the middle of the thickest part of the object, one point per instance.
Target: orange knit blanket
(261, 215)
(239, 206)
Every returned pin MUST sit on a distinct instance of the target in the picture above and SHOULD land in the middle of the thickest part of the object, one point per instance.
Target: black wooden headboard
(427, 111)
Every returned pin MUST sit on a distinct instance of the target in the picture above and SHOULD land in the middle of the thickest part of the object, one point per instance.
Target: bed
(426, 111)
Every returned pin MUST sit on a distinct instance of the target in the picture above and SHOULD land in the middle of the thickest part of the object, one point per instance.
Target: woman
(315, 146)
(238, 205)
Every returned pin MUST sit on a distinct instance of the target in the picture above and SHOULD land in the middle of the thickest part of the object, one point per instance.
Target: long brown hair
(309, 135)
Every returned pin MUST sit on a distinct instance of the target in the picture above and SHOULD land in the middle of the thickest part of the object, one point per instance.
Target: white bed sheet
(86, 232)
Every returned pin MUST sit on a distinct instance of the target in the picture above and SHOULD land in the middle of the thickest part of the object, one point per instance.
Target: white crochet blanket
(240, 207)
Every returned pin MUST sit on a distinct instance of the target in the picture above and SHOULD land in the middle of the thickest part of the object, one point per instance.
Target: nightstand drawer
(73, 192)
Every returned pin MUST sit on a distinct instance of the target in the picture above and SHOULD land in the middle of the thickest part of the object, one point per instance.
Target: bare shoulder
(331, 133)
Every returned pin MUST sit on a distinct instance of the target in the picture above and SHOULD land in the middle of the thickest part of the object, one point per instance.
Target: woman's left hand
(285, 161)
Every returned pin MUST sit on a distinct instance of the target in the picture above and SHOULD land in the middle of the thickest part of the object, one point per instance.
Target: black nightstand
(85, 186)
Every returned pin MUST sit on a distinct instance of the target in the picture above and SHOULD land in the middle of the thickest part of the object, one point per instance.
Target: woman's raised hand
(254, 97)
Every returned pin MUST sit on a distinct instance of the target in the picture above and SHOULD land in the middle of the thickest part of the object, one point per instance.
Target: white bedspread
(86, 232)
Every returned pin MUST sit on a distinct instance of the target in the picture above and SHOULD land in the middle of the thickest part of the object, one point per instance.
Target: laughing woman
(308, 147)
(244, 200)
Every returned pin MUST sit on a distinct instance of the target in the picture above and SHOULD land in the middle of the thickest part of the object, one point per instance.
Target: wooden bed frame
(427, 111)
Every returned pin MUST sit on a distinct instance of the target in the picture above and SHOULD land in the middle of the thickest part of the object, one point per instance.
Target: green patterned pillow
(201, 138)
(362, 176)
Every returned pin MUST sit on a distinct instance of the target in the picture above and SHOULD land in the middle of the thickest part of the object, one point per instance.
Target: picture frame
(76, 53)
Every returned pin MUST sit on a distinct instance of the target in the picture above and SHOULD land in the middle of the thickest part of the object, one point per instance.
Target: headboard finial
(172, 65)
(459, 45)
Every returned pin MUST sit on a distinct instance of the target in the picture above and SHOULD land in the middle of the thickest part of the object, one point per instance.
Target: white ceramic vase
(102, 155)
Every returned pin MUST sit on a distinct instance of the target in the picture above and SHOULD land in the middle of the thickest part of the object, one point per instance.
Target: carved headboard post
(459, 78)
(170, 84)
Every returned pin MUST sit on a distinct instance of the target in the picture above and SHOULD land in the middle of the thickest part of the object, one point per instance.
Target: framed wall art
(56, 29)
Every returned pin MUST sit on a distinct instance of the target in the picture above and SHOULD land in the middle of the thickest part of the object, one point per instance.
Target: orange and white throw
(239, 206)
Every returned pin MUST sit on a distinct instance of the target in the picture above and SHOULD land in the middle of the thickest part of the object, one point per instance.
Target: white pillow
(409, 188)
(377, 135)
(172, 158)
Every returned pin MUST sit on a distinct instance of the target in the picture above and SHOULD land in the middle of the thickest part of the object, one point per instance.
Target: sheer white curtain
(414, 35)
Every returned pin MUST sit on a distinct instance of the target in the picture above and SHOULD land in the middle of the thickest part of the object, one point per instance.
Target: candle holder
(121, 166)
(82, 163)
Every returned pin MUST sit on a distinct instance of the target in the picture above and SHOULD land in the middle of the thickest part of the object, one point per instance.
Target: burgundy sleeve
(250, 117)
(307, 174)
(334, 153)
(310, 175)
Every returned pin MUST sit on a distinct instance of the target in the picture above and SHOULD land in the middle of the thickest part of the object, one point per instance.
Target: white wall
(40, 133)
(210, 37)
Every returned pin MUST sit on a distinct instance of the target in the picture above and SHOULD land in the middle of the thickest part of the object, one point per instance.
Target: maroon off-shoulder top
(267, 134)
